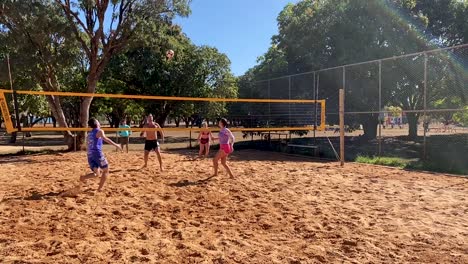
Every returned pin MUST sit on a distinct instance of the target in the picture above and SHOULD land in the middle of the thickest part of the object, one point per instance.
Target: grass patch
(411, 164)
(386, 161)
(437, 167)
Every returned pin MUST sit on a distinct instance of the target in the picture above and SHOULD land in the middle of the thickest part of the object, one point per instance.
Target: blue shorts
(97, 160)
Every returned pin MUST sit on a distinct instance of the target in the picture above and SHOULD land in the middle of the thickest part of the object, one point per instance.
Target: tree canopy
(316, 35)
(111, 47)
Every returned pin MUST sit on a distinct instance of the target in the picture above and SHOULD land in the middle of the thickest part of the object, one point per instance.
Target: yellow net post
(6, 113)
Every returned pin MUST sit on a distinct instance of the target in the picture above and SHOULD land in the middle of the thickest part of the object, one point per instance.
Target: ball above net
(169, 54)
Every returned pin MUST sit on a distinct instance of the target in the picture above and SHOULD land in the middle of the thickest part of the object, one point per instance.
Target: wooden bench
(267, 135)
(314, 148)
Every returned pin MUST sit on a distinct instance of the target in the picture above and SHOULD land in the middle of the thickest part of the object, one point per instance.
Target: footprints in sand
(276, 211)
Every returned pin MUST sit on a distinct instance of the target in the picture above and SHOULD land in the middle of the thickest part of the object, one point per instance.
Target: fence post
(15, 97)
(342, 132)
(289, 104)
(317, 85)
(315, 109)
(269, 104)
(425, 106)
(380, 108)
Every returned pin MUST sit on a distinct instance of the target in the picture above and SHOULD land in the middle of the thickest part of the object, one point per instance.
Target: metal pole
(315, 110)
(289, 104)
(316, 97)
(269, 104)
(9, 72)
(380, 108)
(342, 134)
(342, 111)
(190, 141)
(15, 98)
(344, 78)
(425, 106)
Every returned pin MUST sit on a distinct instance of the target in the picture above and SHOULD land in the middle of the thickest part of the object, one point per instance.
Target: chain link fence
(410, 110)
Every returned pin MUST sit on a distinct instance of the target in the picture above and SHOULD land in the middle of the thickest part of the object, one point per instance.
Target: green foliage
(386, 161)
(66, 45)
(320, 34)
(411, 164)
(461, 117)
(193, 72)
(393, 110)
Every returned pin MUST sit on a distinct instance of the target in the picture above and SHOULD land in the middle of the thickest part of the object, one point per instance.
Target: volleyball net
(172, 113)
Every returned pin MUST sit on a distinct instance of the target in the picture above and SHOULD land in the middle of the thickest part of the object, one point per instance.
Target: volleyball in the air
(169, 54)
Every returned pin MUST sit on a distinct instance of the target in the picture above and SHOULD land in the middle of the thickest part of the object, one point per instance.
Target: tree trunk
(54, 121)
(161, 119)
(177, 122)
(413, 125)
(85, 104)
(370, 124)
(25, 121)
(14, 134)
(109, 119)
(84, 117)
(58, 116)
(13, 138)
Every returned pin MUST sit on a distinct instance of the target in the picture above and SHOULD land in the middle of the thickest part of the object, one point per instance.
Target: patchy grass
(386, 161)
(437, 167)
(410, 164)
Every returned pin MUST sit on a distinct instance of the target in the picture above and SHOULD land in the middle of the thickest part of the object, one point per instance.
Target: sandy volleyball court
(280, 209)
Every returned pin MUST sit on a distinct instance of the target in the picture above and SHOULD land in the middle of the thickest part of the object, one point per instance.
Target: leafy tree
(101, 41)
(193, 72)
(41, 48)
(461, 117)
(320, 34)
(47, 29)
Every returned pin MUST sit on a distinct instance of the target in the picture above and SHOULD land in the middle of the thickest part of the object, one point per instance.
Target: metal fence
(280, 114)
(412, 107)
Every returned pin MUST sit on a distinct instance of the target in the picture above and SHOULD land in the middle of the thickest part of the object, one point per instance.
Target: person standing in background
(124, 135)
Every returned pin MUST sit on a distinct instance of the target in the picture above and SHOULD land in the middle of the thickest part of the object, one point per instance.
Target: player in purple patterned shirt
(96, 159)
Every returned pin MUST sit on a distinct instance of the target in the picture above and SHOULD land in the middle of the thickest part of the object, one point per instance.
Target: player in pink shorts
(226, 143)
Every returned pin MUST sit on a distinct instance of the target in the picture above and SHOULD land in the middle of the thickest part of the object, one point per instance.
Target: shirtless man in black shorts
(151, 142)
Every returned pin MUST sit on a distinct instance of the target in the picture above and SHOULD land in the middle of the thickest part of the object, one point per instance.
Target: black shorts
(151, 145)
(123, 140)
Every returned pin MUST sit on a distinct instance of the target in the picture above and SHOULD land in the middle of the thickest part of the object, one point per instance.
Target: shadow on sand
(186, 183)
(36, 196)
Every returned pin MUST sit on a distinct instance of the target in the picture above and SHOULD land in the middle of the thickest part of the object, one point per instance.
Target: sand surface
(279, 209)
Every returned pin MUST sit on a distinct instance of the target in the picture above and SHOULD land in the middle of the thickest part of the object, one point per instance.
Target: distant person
(226, 147)
(124, 135)
(446, 125)
(151, 140)
(96, 159)
(426, 126)
(204, 139)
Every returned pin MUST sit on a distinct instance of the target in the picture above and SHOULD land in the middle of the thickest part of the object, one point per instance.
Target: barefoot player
(151, 142)
(96, 159)
(226, 147)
